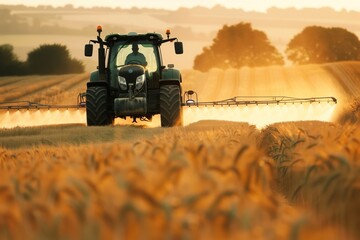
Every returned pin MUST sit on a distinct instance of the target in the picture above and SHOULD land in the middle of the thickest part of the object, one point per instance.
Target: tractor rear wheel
(170, 106)
(97, 107)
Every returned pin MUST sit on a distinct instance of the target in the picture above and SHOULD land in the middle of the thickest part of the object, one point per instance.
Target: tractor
(139, 87)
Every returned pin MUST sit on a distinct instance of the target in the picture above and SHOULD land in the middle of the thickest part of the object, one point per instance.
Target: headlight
(122, 83)
(140, 81)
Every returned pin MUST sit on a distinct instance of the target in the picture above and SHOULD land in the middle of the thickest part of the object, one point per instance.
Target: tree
(236, 46)
(53, 59)
(317, 44)
(10, 65)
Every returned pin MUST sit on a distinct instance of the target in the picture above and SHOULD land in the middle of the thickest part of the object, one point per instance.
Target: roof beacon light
(168, 33)
(99, 30)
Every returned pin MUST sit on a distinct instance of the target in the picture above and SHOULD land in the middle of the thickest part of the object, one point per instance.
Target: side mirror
(88, 50)
(178, 47)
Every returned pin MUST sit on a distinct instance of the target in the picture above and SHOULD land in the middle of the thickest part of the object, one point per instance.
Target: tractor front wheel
(97, 107)
(170, 106)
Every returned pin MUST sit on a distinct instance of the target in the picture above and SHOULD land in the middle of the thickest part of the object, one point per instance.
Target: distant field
(335, 79)
(339, 80)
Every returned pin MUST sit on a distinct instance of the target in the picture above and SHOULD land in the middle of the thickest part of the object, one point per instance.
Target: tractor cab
(135, 57)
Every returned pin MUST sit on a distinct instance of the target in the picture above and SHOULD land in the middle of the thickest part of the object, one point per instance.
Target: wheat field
(210, 179)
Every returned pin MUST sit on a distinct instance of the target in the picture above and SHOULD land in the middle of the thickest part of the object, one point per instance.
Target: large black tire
(170, 106)
(97, 107)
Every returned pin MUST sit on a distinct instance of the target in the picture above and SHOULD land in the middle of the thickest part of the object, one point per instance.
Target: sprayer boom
(27, 105)
(191, 99)
(19, 105)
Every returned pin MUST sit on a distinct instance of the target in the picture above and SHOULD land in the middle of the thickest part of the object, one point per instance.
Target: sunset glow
(256, 5)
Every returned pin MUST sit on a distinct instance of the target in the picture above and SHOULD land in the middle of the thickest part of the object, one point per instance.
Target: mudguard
(94, 80)
(94, 76)
(171, 76)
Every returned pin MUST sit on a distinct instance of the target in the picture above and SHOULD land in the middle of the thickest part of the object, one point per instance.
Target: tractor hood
(131, 72)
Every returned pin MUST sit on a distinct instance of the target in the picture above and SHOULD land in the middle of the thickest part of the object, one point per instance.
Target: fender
(171, 76)
(94, 80)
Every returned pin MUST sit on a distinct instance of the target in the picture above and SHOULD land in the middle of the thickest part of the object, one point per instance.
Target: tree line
(46, 59)
(240, 45)
(234, 46)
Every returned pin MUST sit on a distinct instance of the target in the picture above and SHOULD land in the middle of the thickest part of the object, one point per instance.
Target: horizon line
(73, 6)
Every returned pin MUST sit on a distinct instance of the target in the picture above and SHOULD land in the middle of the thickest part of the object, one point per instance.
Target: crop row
(39, 88)
(318, 166)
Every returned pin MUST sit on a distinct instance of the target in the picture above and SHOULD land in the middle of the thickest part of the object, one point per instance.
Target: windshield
(145, 53)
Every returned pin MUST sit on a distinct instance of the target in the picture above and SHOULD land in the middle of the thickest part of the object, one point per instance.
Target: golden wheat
(196, 182)
(318, 166)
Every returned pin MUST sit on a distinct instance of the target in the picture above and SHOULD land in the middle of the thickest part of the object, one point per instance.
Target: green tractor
(131, 80)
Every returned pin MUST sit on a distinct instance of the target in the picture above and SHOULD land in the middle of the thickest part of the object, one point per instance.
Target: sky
(248, 5)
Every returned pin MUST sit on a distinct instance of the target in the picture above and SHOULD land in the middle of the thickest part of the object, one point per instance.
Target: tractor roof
(114, 37)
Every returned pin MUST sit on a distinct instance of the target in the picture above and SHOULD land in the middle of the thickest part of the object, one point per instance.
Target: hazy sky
(259, 5)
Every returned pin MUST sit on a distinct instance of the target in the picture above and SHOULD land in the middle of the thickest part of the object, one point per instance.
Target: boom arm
(27, 105)
(191, 99)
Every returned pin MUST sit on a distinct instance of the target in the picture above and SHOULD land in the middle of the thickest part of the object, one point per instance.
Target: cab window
(145, 48)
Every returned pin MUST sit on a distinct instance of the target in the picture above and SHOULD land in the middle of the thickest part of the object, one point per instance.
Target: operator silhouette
(136, 57)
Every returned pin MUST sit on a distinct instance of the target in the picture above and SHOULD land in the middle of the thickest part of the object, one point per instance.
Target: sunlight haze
(255, 5)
